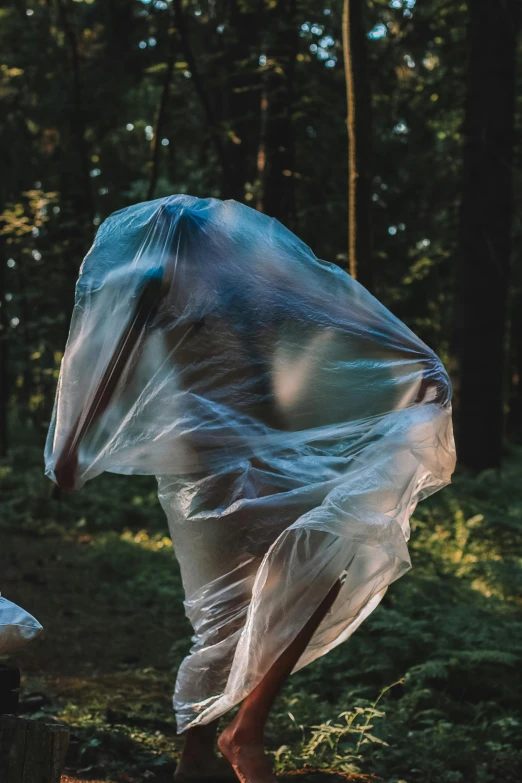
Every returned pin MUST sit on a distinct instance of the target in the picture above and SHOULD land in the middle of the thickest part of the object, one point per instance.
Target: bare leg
(242, 742)
(198, 759)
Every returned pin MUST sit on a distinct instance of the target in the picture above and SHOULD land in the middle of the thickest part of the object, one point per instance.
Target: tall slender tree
(278, 105)
(4, 355)
(483, 262)
(515, 397)
(359, 126)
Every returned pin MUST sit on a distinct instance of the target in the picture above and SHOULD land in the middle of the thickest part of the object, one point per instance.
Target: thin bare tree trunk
(78, 119)
(483, 263)
(162, 114)
(515, 399)
(359, 127)
(240, 109)
(200, 87)
(261, 149)
(350, 123)
(278, 198)
(4, 356)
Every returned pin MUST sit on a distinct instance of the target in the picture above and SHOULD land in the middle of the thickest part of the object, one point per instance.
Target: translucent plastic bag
(292, 421)
(17, 627)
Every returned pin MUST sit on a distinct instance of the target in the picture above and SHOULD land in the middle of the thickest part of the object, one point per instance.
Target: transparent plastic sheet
(292, 421)
(17, 627)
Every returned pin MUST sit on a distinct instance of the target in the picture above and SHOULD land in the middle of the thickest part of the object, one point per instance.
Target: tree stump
(30, 751)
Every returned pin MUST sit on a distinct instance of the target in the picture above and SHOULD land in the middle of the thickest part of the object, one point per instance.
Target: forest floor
(440, 655)
(102, 663)
(299, 776)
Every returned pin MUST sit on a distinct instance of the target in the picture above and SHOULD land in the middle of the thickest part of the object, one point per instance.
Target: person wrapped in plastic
(293, 424)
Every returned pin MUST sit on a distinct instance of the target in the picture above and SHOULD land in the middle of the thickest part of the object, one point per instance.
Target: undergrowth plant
(426, 691)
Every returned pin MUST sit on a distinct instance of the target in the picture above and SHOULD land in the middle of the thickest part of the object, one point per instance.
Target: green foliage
(448, 636)
(82, 84)
(81, 90)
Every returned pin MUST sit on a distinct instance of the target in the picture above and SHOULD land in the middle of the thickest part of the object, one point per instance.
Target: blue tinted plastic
(292, 421)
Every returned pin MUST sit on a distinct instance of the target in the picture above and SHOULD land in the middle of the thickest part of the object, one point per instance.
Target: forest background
(104, 104)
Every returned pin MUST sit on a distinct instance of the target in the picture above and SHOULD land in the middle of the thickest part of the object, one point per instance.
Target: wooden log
(31, 751)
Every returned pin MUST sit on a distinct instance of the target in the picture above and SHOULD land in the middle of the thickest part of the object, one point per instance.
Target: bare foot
(211, 769)
(247, 758)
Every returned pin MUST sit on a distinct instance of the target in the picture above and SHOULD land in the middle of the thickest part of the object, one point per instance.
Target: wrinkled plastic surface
(17, 627)
(292, 421)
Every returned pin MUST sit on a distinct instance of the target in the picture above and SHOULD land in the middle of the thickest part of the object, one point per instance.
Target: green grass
(98, 571)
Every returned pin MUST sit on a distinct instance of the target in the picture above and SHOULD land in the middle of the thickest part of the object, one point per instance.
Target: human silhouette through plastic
(292, 423)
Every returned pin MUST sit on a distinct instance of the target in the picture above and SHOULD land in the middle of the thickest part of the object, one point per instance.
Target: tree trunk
(161, 114)
(515, 400)
(4, 355)
(201, 88)
(277, 197)
(240, 96)
(31, 752)
(483, 264)
(82, 181)
(359, 125)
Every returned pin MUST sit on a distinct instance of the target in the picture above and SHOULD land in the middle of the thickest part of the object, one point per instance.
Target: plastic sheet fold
(292, 421)
(17, 627)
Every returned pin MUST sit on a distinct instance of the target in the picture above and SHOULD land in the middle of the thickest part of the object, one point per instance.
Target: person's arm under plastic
(433, 387)
(146, 307)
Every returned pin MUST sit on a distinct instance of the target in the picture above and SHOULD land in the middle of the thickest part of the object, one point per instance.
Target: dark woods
(106, 104)
(483, 259)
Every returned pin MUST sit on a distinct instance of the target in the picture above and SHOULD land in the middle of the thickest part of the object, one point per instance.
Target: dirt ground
(302, 776)
(79, 589)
